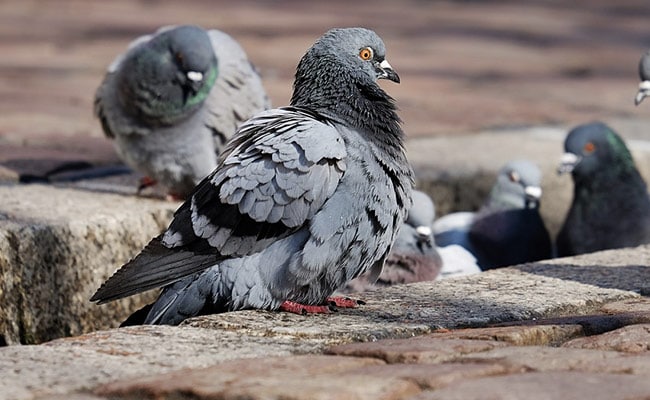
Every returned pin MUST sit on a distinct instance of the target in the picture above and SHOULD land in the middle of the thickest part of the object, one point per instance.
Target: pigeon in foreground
(414, 256)
(611, 207)
(508, 228)
(644, 75)
(304, 198)
(173, 99)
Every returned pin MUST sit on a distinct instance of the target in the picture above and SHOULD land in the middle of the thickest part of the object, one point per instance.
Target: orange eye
(365, 53)
(589, 148)
(514, 176)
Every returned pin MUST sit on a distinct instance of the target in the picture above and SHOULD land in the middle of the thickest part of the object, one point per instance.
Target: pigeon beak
(533, 195)
(567, 163)
(644, 88)
(192, 82)
(194, 76)
(387, 72)
(424, 232)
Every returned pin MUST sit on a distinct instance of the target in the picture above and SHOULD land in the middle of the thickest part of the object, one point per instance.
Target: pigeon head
(518, 186)
(593, 150)
(340, 71)
(644, 75)
(168, 77)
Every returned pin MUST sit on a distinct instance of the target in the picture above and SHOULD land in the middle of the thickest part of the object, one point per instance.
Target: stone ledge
(56, 247)
(560, 289)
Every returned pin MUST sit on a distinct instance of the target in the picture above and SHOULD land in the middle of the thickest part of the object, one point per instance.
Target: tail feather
(184, 299)
(156, 266)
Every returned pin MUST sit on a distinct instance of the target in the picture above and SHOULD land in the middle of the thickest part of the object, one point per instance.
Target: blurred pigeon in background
(173, 99)
(644, 75)
(304, 199)
(508, 228)
(457, 261)
(610, 207)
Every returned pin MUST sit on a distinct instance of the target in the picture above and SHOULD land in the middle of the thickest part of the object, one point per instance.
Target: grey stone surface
(304, 378)
(56, 247)
(82, 362)
(578, 285)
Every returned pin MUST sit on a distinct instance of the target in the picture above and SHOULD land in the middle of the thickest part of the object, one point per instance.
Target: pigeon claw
(345, 302)
(304, 309)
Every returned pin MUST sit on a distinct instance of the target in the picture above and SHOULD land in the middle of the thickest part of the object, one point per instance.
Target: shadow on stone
(624, 277)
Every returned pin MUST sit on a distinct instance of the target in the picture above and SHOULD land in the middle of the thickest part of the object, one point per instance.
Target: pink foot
(146, 182)
(345, 302)
(303, 309)
(332, 304)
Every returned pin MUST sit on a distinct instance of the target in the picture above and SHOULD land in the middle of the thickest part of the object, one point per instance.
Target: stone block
(56, 247)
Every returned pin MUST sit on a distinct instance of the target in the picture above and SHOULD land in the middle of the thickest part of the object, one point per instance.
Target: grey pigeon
(304, 198)
(414, 256)
(644, 75)
(508, 228)
(173, 99)
(610, 207)
(457, 261)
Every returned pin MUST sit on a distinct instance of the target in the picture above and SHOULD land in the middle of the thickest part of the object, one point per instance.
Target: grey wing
(280, 170)
(273, 177)
(238, 93)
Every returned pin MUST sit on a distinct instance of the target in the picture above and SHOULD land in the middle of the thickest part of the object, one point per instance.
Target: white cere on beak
(567, 162)
(644, 88)
(534, 192)
(423, 230)
(385, 64)
(195, 76)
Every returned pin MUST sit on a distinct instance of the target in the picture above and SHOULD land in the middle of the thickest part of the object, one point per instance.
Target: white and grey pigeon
(644, 76)
(173, 99)
(508, 228)
(304, 198)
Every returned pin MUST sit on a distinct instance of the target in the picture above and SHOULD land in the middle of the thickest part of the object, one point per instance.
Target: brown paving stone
(629, 339)
(517, 335)
(639, 305)
(545, 386)
(434, 376)
(415, 350)
(593, 324)
(300, 377)
(537, 358)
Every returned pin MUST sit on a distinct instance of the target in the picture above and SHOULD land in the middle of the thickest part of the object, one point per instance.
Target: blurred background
(465, 65)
